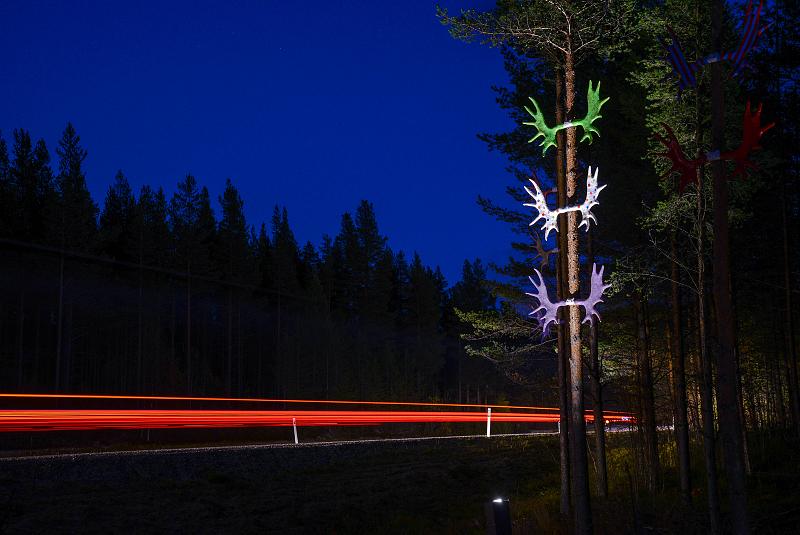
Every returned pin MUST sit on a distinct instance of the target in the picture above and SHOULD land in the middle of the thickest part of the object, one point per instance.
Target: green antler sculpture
(549, 134)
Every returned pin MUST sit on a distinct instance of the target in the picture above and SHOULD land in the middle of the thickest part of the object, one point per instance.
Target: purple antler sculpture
(551, 309)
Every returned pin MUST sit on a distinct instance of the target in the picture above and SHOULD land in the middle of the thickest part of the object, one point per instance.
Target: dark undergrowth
(773, 492)
(422, 487)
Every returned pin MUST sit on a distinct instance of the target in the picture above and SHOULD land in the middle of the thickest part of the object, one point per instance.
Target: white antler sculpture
(551, 216)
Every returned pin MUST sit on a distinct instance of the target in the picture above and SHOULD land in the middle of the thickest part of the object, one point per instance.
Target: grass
(422, 487)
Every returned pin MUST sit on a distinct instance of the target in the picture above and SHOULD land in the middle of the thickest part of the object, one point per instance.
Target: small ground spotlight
(498, 517)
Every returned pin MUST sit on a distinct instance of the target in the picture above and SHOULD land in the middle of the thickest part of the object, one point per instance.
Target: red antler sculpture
(686, 168)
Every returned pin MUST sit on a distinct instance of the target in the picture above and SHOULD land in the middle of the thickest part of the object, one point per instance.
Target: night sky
(311, 105)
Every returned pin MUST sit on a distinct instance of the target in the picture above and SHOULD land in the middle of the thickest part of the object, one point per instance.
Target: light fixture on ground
(498, 517)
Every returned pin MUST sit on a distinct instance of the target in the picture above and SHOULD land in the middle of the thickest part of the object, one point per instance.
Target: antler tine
(544, 254)
(593, 105)
(680, 67)
(750, 35)
(685, 167)
(540, 204)
(550, 308)
(542, 130)
(751, 137)
(592, 192)
(595, 295)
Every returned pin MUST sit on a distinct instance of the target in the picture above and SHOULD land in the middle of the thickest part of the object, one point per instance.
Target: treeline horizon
(154, 295)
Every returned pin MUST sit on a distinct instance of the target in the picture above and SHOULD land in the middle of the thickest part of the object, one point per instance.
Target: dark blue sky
(311, 105)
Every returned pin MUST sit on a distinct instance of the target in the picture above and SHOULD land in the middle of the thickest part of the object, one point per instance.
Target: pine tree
(77, 216)
(233, 249)
(31, 181)
(6, 201)
(150, 234)
(233, 259)
(562, 33)
(264, 257)
(193, 229)
(285, 257)
(116, 232)
(472, 293)
(193, 226)
(421, 323)
(344, 259)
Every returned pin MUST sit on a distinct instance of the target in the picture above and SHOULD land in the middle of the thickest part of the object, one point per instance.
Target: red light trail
(29, 420)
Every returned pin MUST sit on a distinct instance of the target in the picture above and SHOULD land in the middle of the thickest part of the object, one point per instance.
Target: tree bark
(791, 351)
(706, 376)
(729, 421)
(189, 328)
(597, 393)
(139, 318)
(679, 374)
(21, 340)
(579, 468)
(647, 400)
(563, 347)
(229, 364)
(60, 320)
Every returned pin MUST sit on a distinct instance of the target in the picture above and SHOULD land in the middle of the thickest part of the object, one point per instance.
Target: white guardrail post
(488, 422)
(294, 425)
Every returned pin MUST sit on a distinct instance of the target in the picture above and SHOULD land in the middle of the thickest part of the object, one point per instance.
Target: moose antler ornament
(551, 216)
(593, 104)
(752, 131)
(550, 308)
(687, 71)
(541, 252)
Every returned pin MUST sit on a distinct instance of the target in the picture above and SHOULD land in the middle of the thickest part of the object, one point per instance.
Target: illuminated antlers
(751, 136)
(593, 105)
(540, 203)
(543, 253)
(752, 132)
(592, 192)
(685, 167)
(687, 72)
(596, 294)
(548, 134)
(551, 216)
(550, 316)
(547, 311)
(542, 130)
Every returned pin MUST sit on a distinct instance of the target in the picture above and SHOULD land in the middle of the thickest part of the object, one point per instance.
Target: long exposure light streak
(30, 420)
(271, 400)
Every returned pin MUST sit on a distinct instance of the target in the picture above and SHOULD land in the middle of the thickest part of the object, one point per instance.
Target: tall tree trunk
(21, 340)
(706, 376)
(791, 351)
(67, 377)
(646, 391)
(563, 343)
(239, 355)
(229, 365)
(173, 333)
(580, 467)
(729, 422)
(60, 319)
(597, 393)
(189, 328)
(679, 373)
(139, 318)
(37, 340)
